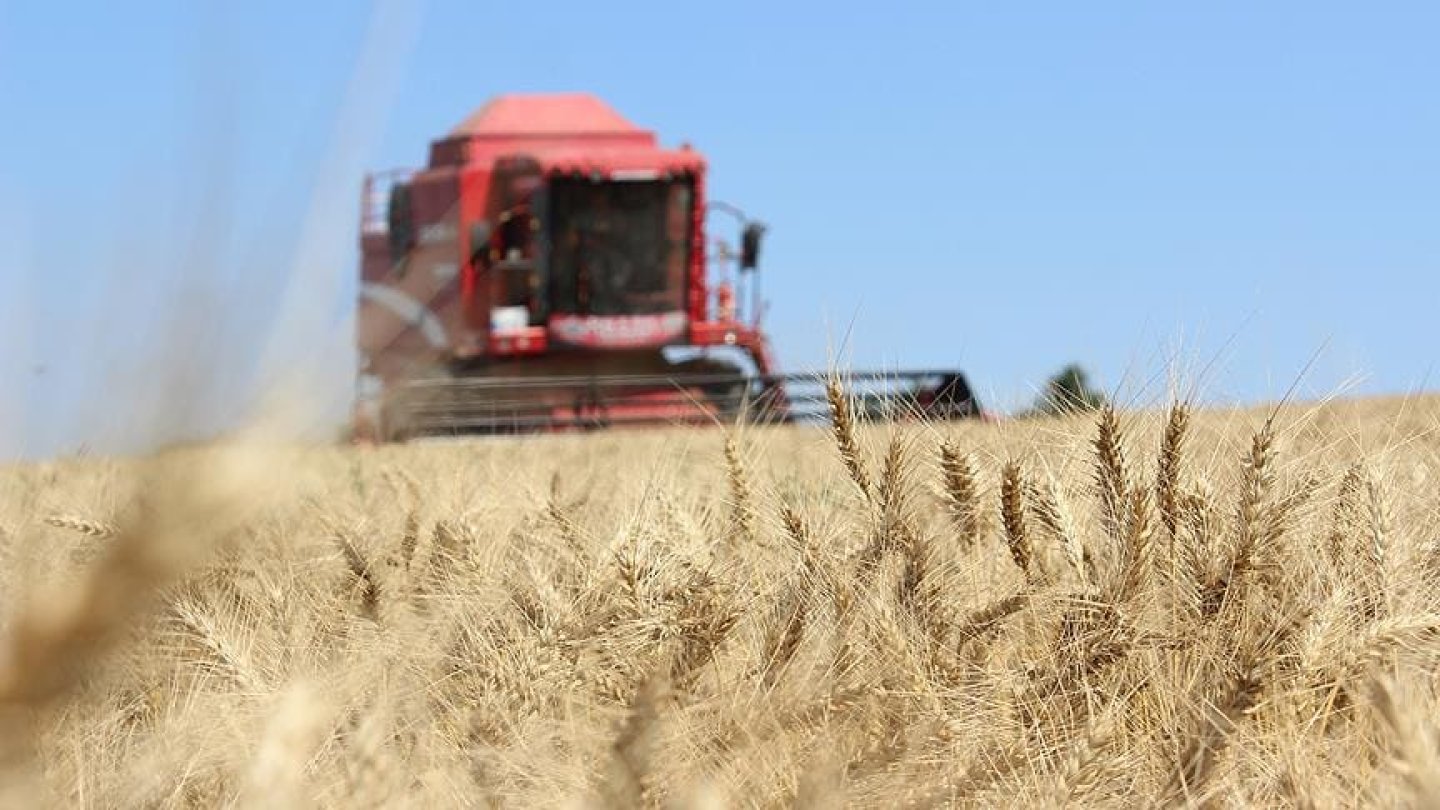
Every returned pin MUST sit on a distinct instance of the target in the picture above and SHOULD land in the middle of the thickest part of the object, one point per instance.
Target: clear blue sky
(1003, 187)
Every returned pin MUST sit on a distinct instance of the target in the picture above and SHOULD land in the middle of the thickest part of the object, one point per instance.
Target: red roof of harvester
(569, 132)
(544, 114)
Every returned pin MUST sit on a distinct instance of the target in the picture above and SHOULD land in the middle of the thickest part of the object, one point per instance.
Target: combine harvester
(549, 270)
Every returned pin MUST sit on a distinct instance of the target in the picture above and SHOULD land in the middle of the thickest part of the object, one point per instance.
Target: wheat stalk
(1413, 749)
(892, 483)
(741, 509)
(90, 528)
(1167, 479)
(292, 733)
(1110, 480)
(359, 568)
(628, 770)
(1051, 512)
(1217, 726)
(1083, 765)
(962, 496)
(843, 428)
(1378, 548)
(1135, 552)
(791, 634)
(1012, 515)
(1344, 515)
(1252, 519)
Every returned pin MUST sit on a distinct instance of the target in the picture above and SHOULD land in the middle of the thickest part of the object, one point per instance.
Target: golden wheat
(1249, 619)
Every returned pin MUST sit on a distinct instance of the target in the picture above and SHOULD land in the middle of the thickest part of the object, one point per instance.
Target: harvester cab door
(516, 261)
(540, 275)
(514, 266)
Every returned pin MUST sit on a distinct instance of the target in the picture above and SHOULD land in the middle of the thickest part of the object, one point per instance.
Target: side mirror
(479, 239)
(750, 245)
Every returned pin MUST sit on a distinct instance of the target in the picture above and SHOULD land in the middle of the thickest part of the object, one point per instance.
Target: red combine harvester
(549, 270)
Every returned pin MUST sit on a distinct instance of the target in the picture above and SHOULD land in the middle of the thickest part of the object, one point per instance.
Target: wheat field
(1155, 607)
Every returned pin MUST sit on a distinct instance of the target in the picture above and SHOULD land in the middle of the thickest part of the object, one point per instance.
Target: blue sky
(1005, 188)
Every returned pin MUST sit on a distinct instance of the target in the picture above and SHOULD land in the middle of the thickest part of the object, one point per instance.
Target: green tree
(1069, 391)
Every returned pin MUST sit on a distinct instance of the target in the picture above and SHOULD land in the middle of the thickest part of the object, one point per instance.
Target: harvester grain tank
(549, 269)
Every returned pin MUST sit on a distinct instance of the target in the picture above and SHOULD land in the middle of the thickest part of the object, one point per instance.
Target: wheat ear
(843, 427)
(741, 509)
(1110, 477)
(1167, 480)
(961, 495)
(90, 528)
(1012, 514)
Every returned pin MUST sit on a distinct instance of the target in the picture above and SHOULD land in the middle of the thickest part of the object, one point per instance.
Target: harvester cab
(550, 253)
(549, 269)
